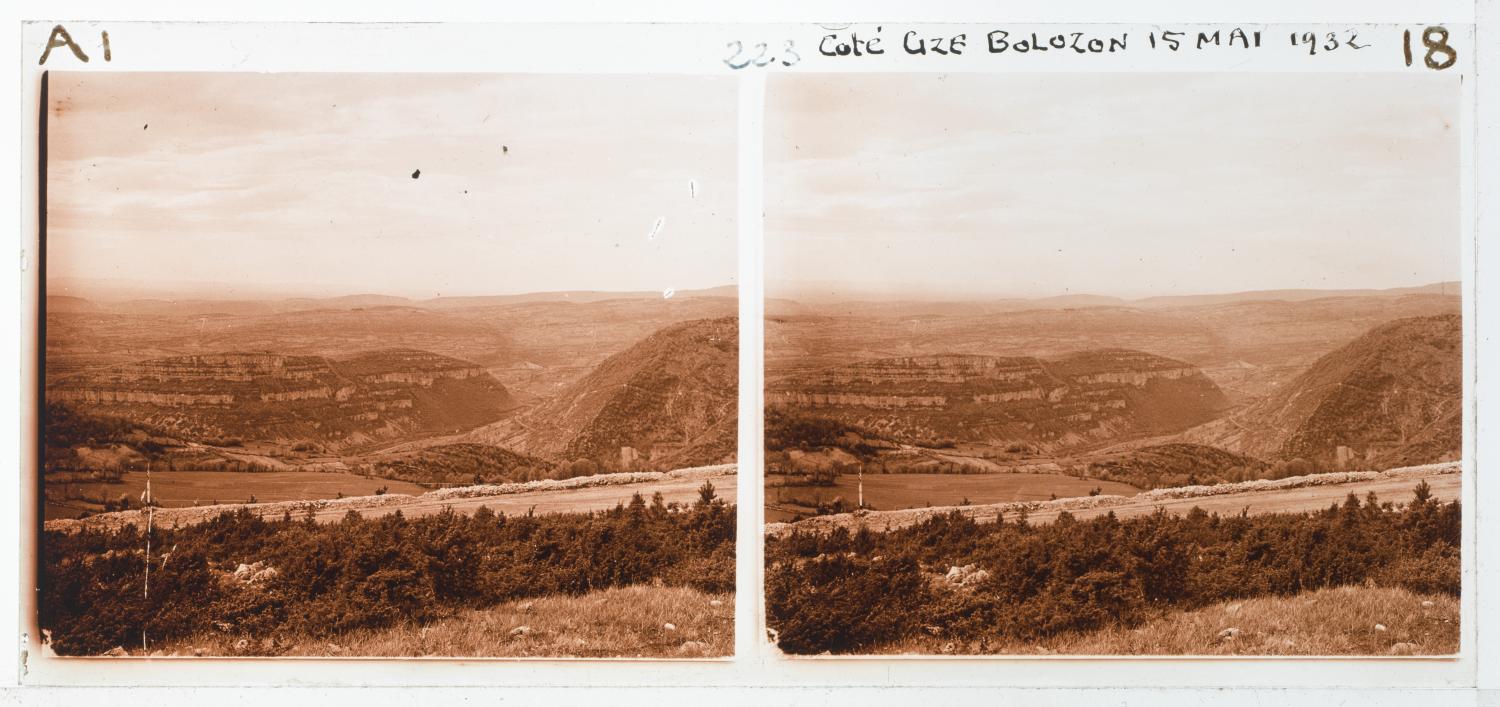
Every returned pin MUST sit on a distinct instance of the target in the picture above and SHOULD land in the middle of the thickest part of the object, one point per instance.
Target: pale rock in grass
(715, 602)
(1380, 627)
(116, 652)
(693, 648)
(966, 575)
(520, 631)
(669, 627)
(1402, 648)
(1229, 634)
(1427, 604)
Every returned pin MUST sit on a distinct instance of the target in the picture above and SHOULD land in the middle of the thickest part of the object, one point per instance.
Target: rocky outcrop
(1064, 403)
(799, 398)
(91, 395)
(216, 379)
(945, 368)
(1135, 378)
(318, 393)
(340, 403)
(423, 378)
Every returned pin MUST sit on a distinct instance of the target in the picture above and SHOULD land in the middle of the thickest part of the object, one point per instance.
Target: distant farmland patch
(188, 488)
(888, 492)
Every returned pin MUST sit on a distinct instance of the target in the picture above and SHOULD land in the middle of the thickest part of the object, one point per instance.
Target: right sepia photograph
(1113, 364)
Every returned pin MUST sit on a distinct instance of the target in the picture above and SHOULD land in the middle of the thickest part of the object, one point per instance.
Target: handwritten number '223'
(739, 59)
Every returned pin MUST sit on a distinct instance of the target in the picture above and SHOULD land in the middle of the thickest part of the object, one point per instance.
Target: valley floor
(576, 500)
(628, 622)
(575, 495)
(899, 491)
(1338, 621)
(176, 489)
(1444, 480)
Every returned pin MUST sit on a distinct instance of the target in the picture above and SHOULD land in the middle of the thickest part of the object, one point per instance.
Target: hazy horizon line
(135, 290)
(132, 290)
(854, 292)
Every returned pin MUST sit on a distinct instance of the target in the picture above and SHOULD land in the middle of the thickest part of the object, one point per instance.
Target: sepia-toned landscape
(1105, 377)
(380, 365)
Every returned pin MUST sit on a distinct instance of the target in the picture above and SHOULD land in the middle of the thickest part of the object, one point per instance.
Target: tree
(1422, 492)
(706, 493)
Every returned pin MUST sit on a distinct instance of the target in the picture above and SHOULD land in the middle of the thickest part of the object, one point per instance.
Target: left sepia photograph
(344, 365)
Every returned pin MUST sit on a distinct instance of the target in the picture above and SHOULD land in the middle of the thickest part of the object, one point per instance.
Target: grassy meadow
(1347, 620)
(640, 621)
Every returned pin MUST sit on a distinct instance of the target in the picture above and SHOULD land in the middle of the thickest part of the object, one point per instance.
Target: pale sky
(1116, 184)
(303, 182)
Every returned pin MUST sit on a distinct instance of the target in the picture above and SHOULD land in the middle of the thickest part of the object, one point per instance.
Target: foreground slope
(558, 626)
(1333, 621)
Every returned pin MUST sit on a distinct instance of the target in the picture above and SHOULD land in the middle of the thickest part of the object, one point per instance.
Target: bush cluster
(788, 430)
(363, 572)
(467, 464)
(845, 592)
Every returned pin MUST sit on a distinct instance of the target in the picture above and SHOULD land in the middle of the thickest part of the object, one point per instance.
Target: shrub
(1076, 576)
(363, 573)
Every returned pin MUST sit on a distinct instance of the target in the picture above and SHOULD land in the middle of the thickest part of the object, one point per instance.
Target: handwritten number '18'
(735, 60)
(1436, 41)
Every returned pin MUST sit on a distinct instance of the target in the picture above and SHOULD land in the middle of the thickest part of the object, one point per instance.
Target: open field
(1295, 495)
(898, 491)
(578, 494)
(637, 621)
(1344, 620)
(174, 489)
